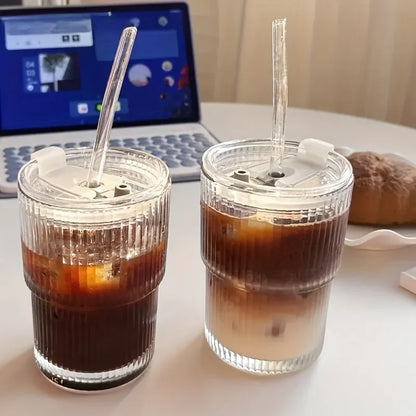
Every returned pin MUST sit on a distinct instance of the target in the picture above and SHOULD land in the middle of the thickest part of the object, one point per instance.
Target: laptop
(55, 63)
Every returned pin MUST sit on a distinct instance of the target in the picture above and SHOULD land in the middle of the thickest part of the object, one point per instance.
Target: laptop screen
(55, 63)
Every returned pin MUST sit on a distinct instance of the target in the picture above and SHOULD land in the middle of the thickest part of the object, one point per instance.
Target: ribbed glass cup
(94, 267)
(270, 255)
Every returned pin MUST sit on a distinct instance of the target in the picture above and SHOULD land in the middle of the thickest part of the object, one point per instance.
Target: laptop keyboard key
(24, 150)
(70, 145)
(184, 156)
(150, 149)
(179, 145)
(157, 139)
(171, 163)
(158, 153)
(9, 150)
(143, 140)
(13, 169)
(197, 155)
(188, 162)
(12, 159)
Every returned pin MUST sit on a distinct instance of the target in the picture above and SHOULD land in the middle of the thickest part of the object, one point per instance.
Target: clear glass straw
(279, 96)
(111, 95)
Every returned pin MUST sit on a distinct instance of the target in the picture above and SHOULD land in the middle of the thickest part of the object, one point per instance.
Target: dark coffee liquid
(95, 340)
(94, 318)
(262, 255)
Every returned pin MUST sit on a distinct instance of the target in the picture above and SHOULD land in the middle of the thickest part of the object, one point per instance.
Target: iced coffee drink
(94, 267)
(270, 255)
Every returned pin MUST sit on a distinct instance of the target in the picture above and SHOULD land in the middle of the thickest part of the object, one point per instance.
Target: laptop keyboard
(181, 152)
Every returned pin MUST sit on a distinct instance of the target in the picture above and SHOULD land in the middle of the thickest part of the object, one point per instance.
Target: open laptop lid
(55, 63)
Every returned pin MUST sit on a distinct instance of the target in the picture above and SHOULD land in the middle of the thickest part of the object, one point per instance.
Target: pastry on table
(384, 190)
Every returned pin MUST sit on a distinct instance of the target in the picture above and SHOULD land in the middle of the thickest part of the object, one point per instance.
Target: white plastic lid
(312, 171)
(57, 180)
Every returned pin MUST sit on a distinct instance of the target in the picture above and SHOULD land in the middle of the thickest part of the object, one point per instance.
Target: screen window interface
(54, 69)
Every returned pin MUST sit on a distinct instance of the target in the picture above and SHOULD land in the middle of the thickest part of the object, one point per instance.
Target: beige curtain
(349, 56)
(356, 56)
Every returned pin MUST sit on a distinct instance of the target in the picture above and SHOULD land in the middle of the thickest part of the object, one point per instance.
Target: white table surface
(367, 366)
